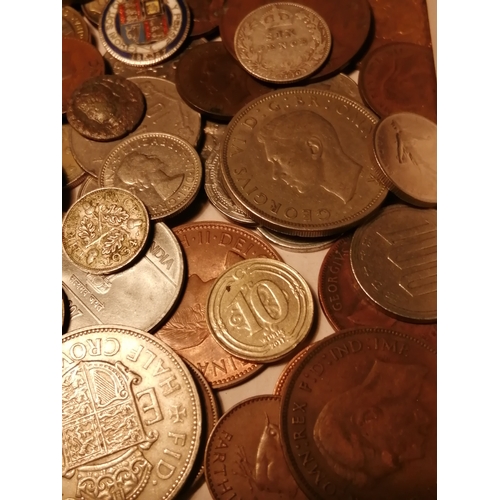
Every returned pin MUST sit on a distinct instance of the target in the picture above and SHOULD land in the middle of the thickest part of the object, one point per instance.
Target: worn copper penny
(346, 305)
(400, 21)
(244, 456)
(394, 260)
(80, 61)
(348, 20)
(288, 370)
(205, 16)
(106, 107)
(400, 77)
(212, 82)
(131, 416)
(300, 161)
(210, 248)
(358, 418)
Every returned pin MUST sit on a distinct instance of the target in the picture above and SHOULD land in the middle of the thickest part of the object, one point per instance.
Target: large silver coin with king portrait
(131, 416)
(300, 162)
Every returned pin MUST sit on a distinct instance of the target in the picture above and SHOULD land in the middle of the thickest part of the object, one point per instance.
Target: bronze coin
(346, 305)
(80, 61)
(210, 248)
(106, 107)
(205, 16)
(213, 83)
(358, 418)
(400, 77)
(348, 20)
(399, 21)
(244, 456)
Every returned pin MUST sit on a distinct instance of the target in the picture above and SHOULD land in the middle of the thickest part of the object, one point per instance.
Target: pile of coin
(214, 156)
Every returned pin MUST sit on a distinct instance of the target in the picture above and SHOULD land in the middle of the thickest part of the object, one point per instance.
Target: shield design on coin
(142, 21)
(103, 431)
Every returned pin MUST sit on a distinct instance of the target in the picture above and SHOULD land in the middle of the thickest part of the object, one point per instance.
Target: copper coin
(288, 370)
(106, 107)
(80, 61)
(400, 21)
(244, 456)
(346, 305)
(348, 20)
(205, 16)
(210, 415)
(210, 248)
(358, 418)
(400, 77)
(213, 83)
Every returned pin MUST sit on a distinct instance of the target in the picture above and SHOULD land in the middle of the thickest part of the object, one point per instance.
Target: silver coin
(296, 244)
(140, 297)
(340, 84)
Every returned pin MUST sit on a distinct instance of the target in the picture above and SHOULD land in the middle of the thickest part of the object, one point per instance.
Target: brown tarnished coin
(211, 414)
(394, 260)
(300, 161)
(72, 172)
(400, 77)
(346, 305)
(105, 230)
(288, 370)
(163, 170)
(131, 416)
(348, 21)
(106, 107)
(205, 16)
(244, 455)
(358, 418)
(73, 24)
(405, 147)
(93, 10)
(214, 182)
(212, 82)
(210, 248)
(399, 21)
(260, 310)
(80, 61)
(155, 281)
(282, 42)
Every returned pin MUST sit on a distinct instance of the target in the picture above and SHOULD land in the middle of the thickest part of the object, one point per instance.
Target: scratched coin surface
(80, 61)
(73, 24)
(301, 162)
(346, 305)
(106, 107)
(214, 181)
(73, 174)
(282, 42)
(394, 260)
(210, 248)
(358, 417)
(244, 455)
(400, 77)
(105, 230)
(131, 416)
(144, 32)
(155, 281)
(406, 151)
(348, 22)
(260, 309)
(163, 170)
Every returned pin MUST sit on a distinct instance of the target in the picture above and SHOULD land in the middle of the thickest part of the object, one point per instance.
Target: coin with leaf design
(105, 230)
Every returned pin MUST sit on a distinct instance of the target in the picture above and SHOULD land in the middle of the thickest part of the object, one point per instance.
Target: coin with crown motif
(131, 416)
(144, 32)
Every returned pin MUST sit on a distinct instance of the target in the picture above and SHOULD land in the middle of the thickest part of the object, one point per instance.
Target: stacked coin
(172, 318)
